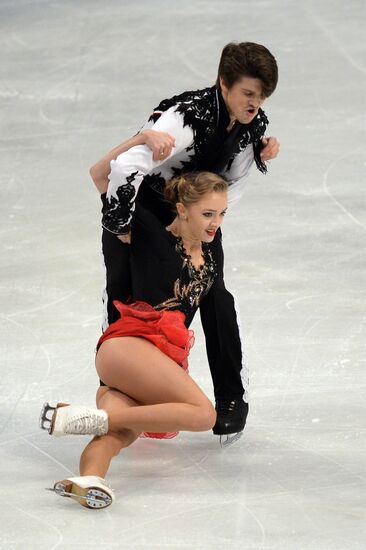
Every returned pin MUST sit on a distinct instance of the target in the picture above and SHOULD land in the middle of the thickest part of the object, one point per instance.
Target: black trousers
(219, 318)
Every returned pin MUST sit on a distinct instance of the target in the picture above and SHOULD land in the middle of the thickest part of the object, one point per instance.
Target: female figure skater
(142, 357)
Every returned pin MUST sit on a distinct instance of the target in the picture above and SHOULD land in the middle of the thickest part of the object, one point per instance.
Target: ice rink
(77, 78)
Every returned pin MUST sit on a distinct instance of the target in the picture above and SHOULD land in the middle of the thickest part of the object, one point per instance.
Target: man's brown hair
(251, 60)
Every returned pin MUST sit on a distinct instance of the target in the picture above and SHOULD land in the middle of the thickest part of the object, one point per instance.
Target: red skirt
(165, 329)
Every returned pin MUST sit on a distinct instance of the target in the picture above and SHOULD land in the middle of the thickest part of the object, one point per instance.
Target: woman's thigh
(137, 368)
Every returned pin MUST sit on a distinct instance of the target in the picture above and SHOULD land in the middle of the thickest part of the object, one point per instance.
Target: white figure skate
(89, 491)
(73, 419)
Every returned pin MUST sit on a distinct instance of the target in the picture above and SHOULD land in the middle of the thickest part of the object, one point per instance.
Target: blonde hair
(191, 187)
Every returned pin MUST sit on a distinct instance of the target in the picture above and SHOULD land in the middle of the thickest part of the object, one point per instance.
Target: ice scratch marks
(326, 189)
(319, 23)
(296, 362)
(19, 390)
(19, 512)
(196, 512)
(53, 459)
(328, 459)
(48, 304)
(290, 303)
(23, 328)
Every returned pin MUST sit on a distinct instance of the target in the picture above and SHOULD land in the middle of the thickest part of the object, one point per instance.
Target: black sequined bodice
(163, 274)
(193, 283)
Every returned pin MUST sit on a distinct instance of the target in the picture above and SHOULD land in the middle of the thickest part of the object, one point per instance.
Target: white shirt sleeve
(129, 169)
(238, 174)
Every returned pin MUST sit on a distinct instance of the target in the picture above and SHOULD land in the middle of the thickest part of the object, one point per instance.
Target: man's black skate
(231, 417)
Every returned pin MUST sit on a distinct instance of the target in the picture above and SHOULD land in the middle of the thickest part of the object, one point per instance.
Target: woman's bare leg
(97, 455)
(171, 400)
(150, 393)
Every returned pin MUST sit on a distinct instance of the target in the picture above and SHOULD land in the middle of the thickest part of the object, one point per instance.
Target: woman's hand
(160, 143)
(271, 148)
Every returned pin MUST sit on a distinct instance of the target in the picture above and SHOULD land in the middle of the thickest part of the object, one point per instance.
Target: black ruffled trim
(117, 211)
(214, 148)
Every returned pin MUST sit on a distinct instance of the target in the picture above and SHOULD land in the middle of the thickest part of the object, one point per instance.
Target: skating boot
(73, 419)
(231, 418)
(89, 491)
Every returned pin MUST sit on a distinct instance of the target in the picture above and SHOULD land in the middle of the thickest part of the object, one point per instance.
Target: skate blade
(46, 423)
(90, 497)
(229, 439)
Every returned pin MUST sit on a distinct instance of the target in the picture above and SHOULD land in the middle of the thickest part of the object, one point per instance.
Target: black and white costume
(198, 122)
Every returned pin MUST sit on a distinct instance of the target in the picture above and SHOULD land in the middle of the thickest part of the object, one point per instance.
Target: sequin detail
(188, 291)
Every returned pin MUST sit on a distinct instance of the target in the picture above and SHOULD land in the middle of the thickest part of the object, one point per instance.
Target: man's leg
(224, 345)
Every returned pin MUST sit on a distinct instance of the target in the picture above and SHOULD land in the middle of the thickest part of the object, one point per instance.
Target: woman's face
(243, 99)
(203, 218)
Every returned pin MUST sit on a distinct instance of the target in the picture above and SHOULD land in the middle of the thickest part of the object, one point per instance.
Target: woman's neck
(191, 244)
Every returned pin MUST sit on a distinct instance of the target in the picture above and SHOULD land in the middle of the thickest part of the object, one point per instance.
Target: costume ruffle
(165, 329)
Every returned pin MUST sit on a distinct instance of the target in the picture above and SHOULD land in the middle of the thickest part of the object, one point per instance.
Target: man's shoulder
(193, 101)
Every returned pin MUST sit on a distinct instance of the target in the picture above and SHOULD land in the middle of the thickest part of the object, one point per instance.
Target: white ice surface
(76, 78)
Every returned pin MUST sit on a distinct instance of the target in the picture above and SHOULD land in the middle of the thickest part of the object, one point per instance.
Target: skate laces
(82, 423)
(226, 406)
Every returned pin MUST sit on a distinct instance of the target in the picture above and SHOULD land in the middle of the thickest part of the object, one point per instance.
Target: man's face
(243, 99)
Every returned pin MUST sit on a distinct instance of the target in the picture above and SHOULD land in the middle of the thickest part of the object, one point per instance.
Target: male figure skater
(219, 129)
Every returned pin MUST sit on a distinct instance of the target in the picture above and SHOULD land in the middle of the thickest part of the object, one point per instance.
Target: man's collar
(223, 118)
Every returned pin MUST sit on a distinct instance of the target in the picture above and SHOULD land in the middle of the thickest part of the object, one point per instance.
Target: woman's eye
(207, 214)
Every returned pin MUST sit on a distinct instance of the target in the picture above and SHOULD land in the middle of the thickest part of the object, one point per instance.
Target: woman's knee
(206, 417)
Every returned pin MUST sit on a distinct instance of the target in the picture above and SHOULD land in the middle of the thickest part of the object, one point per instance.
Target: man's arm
(129, 169)
(238, 174)
(241, 166)
(160, 143)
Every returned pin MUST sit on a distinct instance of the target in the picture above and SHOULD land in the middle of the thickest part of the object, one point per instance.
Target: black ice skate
(230, 422)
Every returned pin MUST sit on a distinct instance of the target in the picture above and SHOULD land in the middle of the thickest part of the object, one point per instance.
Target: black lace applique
(117, 212)
(194, 282)
(255, 131)
(200, 113)
(200, 110)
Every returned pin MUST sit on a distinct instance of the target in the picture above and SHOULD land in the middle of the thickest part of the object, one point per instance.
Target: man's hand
(126, 238)
(270, 149)
(160, 143)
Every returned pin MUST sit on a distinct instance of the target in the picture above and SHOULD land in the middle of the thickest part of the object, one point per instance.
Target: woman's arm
(160, 143)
